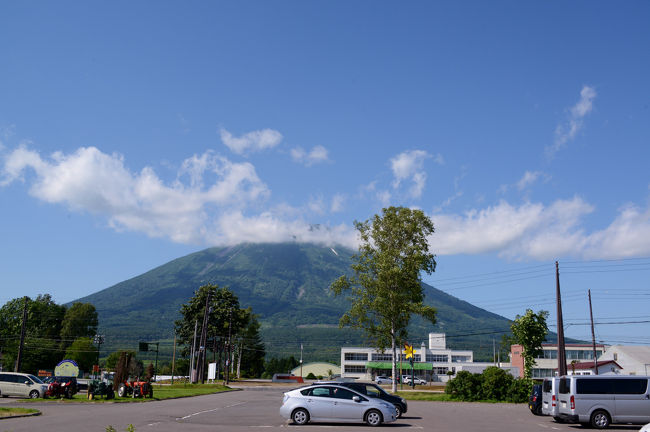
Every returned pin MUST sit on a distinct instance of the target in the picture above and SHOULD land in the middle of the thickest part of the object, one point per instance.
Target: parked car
(335, 403)
(600, 400)
(381, 379)
(21, 385)
(645, 428)
(406, 379)
(373, 390)
(535, 400)
(549, 398)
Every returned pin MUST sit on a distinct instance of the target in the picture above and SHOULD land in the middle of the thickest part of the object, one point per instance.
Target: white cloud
(409, 165)
(567, 131)
(338, 203)
(540, 232)
(207, 203)
(251, 141)
(316, 155)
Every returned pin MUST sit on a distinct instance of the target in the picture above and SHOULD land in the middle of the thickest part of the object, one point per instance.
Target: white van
(600, 400)
(549, 397)
(21, 385)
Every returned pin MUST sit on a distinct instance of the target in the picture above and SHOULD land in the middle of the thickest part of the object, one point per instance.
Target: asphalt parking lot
(256, 408)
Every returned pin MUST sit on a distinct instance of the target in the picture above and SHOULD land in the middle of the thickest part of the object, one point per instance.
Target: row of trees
(53, 332)
(233, 338)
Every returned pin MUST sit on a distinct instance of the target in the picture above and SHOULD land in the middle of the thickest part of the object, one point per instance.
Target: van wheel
(600, 419)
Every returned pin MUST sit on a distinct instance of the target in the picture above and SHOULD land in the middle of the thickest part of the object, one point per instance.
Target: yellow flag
(409, 350)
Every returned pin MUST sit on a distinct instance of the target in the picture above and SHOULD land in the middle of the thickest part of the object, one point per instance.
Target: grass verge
(438, 397)
(11, 412)
(160, 392)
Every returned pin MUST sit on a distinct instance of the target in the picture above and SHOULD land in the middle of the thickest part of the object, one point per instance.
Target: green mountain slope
(287, 285)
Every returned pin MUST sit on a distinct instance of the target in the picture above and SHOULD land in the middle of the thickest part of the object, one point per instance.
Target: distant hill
(287, 285)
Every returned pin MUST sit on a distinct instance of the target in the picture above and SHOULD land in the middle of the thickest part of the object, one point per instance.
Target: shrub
(496, 384)
(466, 386)
(311, 376)
(520, 390)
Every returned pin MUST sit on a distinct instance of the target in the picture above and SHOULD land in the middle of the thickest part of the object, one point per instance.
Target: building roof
(640, 353)
(572, 345)
(590, 365)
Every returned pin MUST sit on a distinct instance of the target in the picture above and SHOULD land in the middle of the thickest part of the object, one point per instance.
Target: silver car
(336, 404)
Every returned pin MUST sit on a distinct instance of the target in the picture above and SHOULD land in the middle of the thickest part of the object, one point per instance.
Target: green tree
(252, 361)
(530, 331)
(225, 317)
(83, 352)
(386, 287)
(113, 358)
(80, 320)
(41, 348)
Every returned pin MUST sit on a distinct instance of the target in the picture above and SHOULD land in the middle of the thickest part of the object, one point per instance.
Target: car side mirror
(356, 398)
(28, 383)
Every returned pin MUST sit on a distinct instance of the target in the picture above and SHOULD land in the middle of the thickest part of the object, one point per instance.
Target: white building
(432, 363)
(633, 359)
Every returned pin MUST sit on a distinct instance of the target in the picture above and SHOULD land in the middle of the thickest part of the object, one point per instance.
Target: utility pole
(593, 335)
(561, 352)
(301, 360)
(229, 346)
(193, 351)
(174, 358)
(204, 337)
(19, 357)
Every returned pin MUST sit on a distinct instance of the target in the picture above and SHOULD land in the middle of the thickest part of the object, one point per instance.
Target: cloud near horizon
(214, 201)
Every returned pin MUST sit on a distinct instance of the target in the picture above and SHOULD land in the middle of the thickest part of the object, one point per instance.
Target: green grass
(8, 412)
(160, 392)
(437, 397)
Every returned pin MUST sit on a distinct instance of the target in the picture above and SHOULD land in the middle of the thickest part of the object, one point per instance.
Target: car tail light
(573, 402)
(535, 398)
(553, 401)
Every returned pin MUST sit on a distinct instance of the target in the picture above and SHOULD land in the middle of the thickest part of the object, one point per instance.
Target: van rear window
(631, 386)
(547, 386)
(564, 386)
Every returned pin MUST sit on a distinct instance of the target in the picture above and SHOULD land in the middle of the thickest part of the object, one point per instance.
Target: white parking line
(207, 411)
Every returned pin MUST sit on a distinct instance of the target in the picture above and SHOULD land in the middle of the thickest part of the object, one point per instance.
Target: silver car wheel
(373, 418)
(600, 420)
(34, 394)
(300, 416)
(398, 410)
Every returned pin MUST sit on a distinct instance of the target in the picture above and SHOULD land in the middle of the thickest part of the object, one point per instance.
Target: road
(256, 409)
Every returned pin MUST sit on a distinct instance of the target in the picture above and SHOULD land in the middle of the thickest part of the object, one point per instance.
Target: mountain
(287, 285)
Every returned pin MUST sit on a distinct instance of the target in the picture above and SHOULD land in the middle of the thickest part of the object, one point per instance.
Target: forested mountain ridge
(287, 286)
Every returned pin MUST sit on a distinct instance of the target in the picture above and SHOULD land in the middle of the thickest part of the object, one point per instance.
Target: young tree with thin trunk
(386, 288)
(530, 331)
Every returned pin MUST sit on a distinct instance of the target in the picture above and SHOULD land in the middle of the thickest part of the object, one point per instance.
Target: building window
(437, 358)
(382, 357)
(543, 373)
(416, 357)
(615, 357)
(354, 369)
(356, 356)
(459, 359)
(440, 370)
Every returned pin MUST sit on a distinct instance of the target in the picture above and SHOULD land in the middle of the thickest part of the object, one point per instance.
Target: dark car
(535, 400)
(373, 390)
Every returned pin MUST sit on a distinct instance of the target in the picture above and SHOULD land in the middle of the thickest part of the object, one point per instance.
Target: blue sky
(135, 133)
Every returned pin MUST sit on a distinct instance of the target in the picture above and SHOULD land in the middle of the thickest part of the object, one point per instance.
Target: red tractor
(61, 387)
(135, 389)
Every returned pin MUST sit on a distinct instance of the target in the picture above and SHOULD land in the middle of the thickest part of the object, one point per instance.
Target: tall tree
(252, 359)
(42, 333)
(225, 317)
(386, 287)
(80, 320)
(84, 352)
(530, 331)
